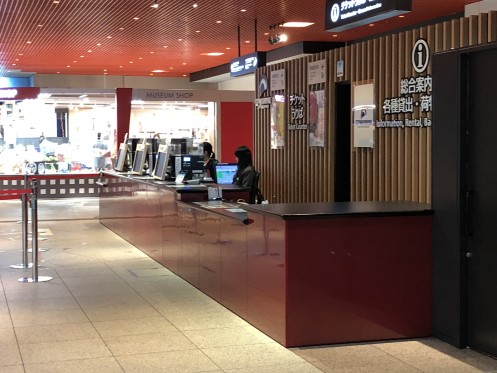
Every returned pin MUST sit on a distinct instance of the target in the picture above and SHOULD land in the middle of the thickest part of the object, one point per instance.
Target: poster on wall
(277, 80)
(316, 72)
(363, 111)
(278, 122)
(317, 103)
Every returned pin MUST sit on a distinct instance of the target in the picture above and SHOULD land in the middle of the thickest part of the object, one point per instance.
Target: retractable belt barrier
(26, 195)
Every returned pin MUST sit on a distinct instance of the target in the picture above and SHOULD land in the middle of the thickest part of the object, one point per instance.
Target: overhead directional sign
(247, 64)
(342, 15)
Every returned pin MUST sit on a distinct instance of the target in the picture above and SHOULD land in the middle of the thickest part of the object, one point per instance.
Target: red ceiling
(102, 37)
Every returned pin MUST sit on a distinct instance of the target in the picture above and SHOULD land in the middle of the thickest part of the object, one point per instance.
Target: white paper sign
(277, 80)
(316, 72)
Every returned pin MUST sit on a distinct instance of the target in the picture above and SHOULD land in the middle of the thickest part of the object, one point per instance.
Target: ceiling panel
(129, 37)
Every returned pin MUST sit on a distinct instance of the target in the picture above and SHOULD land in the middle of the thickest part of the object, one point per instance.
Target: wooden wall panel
(399, 165)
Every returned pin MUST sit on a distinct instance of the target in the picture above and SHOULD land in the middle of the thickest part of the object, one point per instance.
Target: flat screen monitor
(193, 163)
(121, 157)
(225, 172)
(139, 159)
(161, 163)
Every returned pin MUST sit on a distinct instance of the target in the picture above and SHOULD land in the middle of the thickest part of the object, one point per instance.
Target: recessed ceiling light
(371, 24)
(171, 68)
(74, 61)
(247, 41)
(283, 38)
(152, 52)
(21, 54)
(228, 48)
(40, 25)
(82, 56)
(401, 16)
(109, 37)
(121, 28)
(68, 66)
(14, 64)
(89, 51)
(297, 24)
(155, 5)
(105, 69)
(195, 5)
(184, 74)
(180, 39)
(140, 58)
(219, 21)
(56, 1)
(136, 18)
(212, 54)
(158, 71)
(184, 63)
(243, 10)
(335, 36)
(197, 31)
(266, 33)
(166, 46)
(121, 66)
(28, 42)
(130, 61)
(99, 44)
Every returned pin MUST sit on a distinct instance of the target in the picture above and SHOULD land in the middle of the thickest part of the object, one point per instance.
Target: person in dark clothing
(210, 161)
(245, 174)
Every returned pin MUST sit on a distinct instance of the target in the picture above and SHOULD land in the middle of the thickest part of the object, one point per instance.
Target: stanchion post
(34, 237)
(24, 233)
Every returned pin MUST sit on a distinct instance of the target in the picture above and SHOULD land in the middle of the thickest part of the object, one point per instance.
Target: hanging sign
(342, 15)
(247, 64)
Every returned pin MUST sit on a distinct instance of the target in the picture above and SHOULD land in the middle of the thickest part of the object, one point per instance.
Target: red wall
(236, 129)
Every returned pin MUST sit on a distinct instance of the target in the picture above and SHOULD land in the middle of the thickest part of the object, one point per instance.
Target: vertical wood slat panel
(399, 167)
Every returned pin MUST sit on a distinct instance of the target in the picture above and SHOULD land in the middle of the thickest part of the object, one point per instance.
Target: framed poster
(278, 122)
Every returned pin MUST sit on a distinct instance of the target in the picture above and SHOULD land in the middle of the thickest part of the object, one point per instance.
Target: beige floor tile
(5, 320)
(251, 356)
(339, 352)
(174, 361)
(102, 288)
(117, 328)
(107, 365)
(148, 343)
(398, 367)
(9, 355)
(7, 335)
(220, 337)
(119, 313)
(48, 333)
(41, 290)
(438, 364)
(104, 300)
(43, 304)
(284, 368)
(12, 369)
(63, 351)
(55, 317)
(204, 321)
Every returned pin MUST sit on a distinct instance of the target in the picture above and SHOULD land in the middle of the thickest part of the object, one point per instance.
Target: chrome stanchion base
(42, 250)
(40, 279)
(21, 266)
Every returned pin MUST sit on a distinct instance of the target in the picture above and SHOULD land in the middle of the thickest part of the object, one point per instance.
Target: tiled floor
(109, 308)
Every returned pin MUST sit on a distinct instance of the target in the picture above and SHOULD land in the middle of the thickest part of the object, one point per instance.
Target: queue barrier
(31, 196)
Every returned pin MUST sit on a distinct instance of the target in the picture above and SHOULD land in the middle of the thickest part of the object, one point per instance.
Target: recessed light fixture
(89, 51)
(195, 5)
(180, 39)
(184, 74)
(130, 61)
(152, 52)
(247, 41)
(212, 54)
(219, 21)
(121, 28)
(197, 31)
(40, 25)
(158, 71)
(68, 66)
(228, 48)
(155, 5)
(109, 37)
(266, 33)
(283, 38)
(82, 56)
(184, 63)
(56, 1)
(140, 58)
(28, 42)
(371, 24)
(243, 10)
(297, 24)
(401, 16)
(136, 18)
(166, 46)
(335, 36)
(99, 44)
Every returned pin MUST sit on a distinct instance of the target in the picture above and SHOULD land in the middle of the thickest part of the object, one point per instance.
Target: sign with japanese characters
(277, 80)
(342, 15)
(316, 72)
(415, 95)
(297, 105)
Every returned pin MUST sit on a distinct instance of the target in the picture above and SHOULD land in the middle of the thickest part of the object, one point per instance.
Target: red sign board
(21, 93)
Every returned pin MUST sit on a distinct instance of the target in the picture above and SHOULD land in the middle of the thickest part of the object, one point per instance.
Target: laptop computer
(225, 172)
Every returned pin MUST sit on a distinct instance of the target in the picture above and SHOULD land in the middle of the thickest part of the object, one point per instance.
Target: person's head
(208, 153)
(243, 156)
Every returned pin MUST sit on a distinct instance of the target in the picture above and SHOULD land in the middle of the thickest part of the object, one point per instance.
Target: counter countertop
(321, 210)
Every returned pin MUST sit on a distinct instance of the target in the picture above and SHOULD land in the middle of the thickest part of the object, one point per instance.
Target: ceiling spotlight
(155, 5)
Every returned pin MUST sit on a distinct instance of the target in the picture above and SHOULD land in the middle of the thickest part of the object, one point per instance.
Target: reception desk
(304, 274)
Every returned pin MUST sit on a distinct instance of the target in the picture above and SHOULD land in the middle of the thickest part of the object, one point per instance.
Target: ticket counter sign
(343, 15)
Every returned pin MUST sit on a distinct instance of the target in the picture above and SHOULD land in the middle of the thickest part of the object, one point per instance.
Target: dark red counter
(304, 274)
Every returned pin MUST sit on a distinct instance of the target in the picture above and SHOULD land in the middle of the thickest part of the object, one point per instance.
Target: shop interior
(58, 131)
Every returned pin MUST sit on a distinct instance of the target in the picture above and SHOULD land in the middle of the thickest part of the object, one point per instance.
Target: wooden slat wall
(399, 166)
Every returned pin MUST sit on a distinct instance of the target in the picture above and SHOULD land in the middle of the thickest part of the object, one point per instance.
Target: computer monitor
(121, 158)
(225, 172)
(161, 163)
(139, 159)
(193, 163)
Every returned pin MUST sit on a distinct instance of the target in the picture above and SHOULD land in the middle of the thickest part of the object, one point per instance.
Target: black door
(342, 142)
(481, 224)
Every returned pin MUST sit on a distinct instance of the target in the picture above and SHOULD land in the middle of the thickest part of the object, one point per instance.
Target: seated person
(210, 161)
(245, 174)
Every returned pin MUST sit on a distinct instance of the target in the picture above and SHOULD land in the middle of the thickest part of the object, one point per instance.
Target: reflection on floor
(110, 308)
